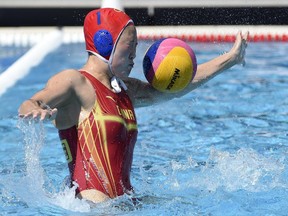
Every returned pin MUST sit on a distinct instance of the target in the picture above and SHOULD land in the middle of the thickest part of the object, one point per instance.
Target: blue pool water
(220, 150)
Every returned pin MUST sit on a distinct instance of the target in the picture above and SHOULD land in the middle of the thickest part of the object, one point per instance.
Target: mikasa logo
(176, 75)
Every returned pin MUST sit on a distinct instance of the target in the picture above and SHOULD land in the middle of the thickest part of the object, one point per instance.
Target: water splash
(177, 183)
(35, 187)
(39, 192)
(66, 200)
(244, 169)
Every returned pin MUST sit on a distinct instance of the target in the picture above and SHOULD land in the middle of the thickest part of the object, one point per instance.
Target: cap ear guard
(103, 42)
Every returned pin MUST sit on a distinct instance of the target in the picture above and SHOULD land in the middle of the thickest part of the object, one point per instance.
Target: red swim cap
(102, 29)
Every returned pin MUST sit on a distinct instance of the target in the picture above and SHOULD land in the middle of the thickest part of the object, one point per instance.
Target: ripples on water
(221, 150)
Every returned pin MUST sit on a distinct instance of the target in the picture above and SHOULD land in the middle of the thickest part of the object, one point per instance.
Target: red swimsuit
(100, 149)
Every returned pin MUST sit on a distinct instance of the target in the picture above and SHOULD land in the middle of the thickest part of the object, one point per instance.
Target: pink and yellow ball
(169, 65)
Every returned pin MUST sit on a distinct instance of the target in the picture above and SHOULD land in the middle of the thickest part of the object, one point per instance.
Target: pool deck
(23, 36)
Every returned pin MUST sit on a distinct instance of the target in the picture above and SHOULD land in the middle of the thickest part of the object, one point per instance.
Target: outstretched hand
(41, 114)
(239, 48)
(210, 69)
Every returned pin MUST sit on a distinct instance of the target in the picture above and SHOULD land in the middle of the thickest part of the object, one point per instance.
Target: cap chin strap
(99, 56)
(116, 82)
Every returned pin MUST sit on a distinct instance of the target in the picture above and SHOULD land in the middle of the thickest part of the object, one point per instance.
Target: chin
(123, 74)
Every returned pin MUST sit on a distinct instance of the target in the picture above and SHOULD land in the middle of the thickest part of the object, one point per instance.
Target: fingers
(40, 114)
(244, 40)
(243, 37)
(246, 36)
(44, 115)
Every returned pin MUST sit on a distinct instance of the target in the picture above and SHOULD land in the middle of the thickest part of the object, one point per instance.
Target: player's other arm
(143, 94)
(210, 69)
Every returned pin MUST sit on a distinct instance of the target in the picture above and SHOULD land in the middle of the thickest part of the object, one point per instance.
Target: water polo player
(93, 107)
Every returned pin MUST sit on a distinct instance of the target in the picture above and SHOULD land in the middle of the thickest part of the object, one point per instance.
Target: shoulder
(68, 77)
(66, 83)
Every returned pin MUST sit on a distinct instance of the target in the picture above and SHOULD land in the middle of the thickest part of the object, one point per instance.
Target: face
(125, 52)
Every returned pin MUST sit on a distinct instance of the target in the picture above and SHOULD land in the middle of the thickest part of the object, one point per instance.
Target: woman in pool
(93, 108)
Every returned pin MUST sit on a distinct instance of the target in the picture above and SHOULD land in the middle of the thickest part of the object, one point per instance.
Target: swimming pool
(220, 150)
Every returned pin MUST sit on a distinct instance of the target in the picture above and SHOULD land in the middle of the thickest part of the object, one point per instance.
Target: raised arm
(210, 69)
(144, 94)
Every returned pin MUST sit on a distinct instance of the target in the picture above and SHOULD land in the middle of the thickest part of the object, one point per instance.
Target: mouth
(131, 65)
